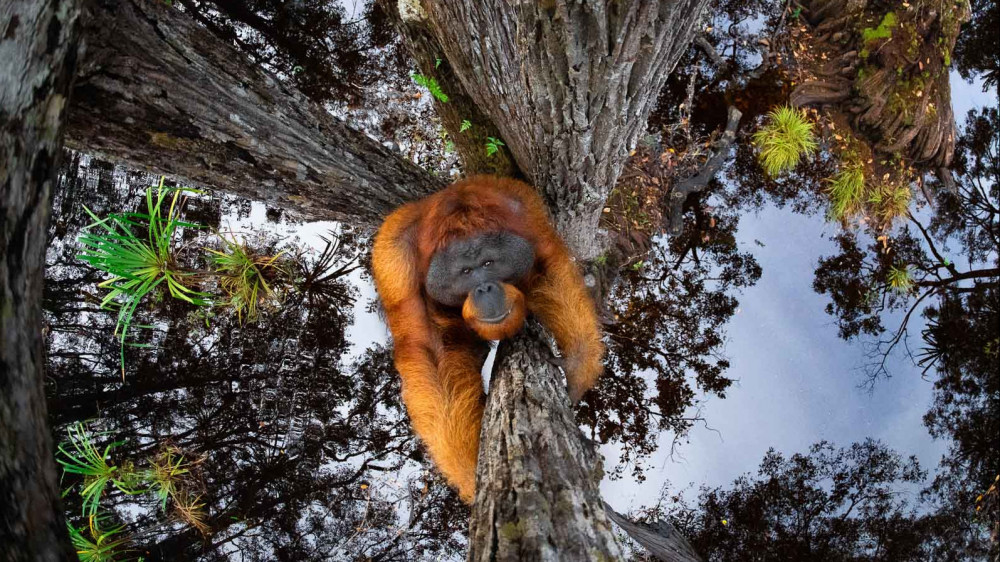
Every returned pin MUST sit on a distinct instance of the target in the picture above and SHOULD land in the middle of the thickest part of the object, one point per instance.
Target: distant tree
(976, 52)
(669, 312)
(833, 504)
(953, 281)
(952, 254)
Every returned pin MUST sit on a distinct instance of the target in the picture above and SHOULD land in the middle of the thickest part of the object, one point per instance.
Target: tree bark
(537, 487)
(570, 87)
(896, 89)
(161, 93)
(569, 84)
(39, 44)
(460, 108)
(661, 538)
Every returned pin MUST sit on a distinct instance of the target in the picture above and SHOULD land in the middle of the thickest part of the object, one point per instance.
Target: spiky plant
(846, 190)
(889, 201)
(95, 543)
(784, 140)
(80, 455)
(191, 510)
(241, 277)
(166, 470)
(899, 279)
(139, 263)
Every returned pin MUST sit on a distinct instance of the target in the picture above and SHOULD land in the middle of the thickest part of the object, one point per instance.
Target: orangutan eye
(466, 270)
(487, 263)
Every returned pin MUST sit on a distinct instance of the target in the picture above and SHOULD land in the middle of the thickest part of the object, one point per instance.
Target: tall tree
(39, 44)
(569, 87)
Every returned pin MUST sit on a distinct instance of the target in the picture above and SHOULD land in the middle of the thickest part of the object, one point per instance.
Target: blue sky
(798, 382)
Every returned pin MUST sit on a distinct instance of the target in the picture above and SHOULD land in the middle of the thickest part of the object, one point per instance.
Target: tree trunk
(537, 487)
(894, 86)
(460, 108)
(38, 58)
(161, 93)
(569, 85)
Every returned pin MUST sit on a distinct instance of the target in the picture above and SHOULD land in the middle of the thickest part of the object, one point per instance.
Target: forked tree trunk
(38, 56)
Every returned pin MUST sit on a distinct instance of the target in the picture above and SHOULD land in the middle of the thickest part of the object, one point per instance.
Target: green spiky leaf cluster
(97, 542)
(166, 478)
(889, 200)
(241, 277)
(432, 86)
(784, 140)
(899, 279)
(80, 455)
(137, 249)
(846, 190)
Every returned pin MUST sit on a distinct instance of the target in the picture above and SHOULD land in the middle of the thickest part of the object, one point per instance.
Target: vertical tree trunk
(569, 84)
(38, 57)
(538, 483)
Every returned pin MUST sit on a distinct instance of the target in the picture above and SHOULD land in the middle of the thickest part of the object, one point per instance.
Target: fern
(432, 86)
(493, 145)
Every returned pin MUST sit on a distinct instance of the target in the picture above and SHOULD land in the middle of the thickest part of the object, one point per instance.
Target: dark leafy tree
(327, 52)
(923, 259)
(959, 301)
(976, 52)
(665, 343)
(302, 454)
(840, 504)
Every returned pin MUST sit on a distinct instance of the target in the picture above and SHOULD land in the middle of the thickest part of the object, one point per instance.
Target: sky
(798, 382)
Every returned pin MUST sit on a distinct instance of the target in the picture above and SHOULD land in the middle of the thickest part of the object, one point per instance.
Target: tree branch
(699, 181)
(661, 539)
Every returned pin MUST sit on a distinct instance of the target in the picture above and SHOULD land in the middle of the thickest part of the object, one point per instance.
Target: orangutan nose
(490, 301)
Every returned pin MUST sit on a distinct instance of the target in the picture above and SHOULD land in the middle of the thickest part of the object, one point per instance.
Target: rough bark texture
(38, 58)
(895, 87)
(159, 92)
(537, 488)
(569, 85)
(470, 144)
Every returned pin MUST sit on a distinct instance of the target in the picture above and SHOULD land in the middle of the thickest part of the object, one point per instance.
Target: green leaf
(432, 86)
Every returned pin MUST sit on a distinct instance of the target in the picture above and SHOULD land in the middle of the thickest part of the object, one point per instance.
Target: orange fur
(439, 352)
